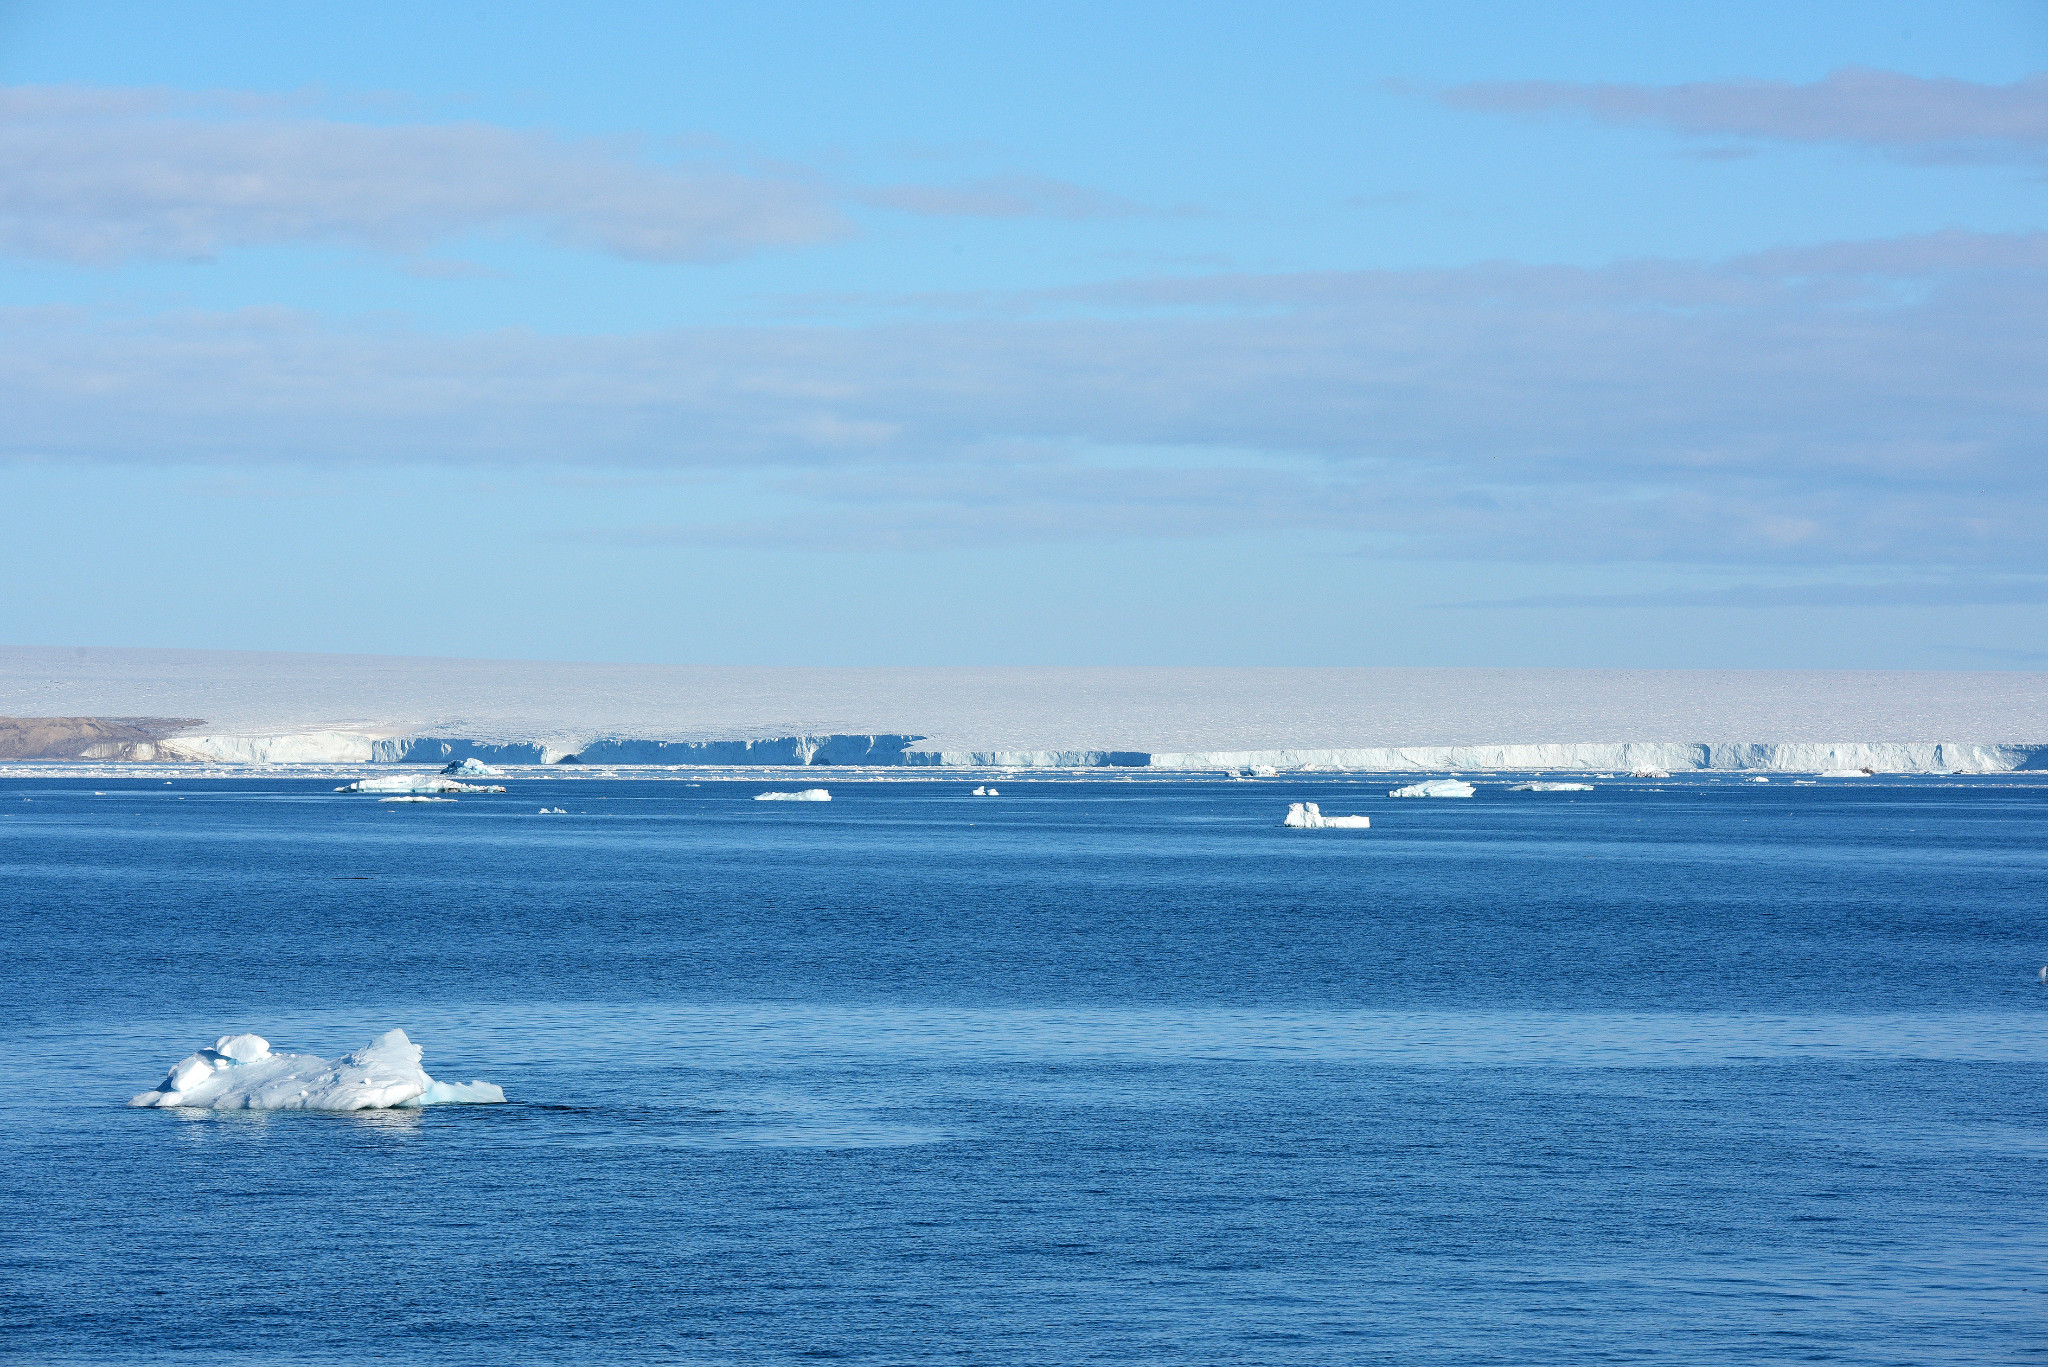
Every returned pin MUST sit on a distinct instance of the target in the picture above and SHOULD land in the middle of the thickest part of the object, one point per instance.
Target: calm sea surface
(1104, 1071)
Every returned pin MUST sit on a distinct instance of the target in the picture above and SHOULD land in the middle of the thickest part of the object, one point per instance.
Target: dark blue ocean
(1093, 1072)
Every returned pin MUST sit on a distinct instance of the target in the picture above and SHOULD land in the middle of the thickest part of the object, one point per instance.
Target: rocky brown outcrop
(86, 737)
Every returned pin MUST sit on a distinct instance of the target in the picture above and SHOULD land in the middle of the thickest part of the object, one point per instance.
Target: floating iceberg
(473, 768)
(414, 783)
(240, 1073)
(985, 792)
(415, 799)
(1436, 787)
(1649, 773)
(1758, 779)
(1309, 817)
(1846, 773)
(1551, 788)
(807, 795)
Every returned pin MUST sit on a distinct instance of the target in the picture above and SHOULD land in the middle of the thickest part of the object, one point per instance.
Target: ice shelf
(222, 707)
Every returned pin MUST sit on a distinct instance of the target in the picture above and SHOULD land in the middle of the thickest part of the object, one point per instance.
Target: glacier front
(251, 709)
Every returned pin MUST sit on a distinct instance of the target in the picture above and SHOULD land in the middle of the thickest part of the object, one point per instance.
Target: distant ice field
(272, 708)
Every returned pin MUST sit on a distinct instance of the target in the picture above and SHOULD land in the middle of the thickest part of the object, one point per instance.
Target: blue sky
(1701, 335)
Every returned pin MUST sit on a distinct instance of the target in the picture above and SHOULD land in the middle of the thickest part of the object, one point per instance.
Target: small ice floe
(552, 811)
(984, 792)
(1758, 779)
(1649, 773)
(1551, 788)
(415, 799)
(414, 783)
(1848, 773)
(473, 768)
(1436, 787)
(1307, 816)
(807, 795)
(240, 1073)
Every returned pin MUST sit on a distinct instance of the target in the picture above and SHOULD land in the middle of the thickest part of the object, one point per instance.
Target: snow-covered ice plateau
(240, 1072)
(305, 709)
(1436, 787)
(1308, 816)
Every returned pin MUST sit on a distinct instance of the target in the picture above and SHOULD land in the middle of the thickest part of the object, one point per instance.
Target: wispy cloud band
(1891, 594)
(1910, 117)
(102, 176)
(1873, 403)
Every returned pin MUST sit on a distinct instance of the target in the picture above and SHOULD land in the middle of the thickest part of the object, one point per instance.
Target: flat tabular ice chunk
(240, 1073)
(415, 799)
(1309, 817)
(1553, 787)
(1845, 773)
(414, 783)
(807, 795)
(1758, 779)
(1436, 787)
(1649, 773)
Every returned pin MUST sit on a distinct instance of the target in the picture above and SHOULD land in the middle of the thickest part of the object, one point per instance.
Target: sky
(1627, 335)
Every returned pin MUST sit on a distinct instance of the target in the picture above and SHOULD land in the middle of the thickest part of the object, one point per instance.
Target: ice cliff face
(787, 750)
(343, 747)
(274, 708)
(1781, 757)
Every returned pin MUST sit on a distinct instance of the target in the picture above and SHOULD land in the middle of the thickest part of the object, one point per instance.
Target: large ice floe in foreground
(1309, 817)
(807, 795)
(1436, 787)
(414, 783)
(240, 1073)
